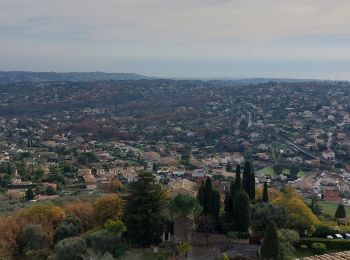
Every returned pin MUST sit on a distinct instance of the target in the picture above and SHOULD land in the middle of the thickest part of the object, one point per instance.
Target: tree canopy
(33, 237)
(209, 198)
(241, 211)
(184, 205)
(107, 207)
(143, 215)
(299, 215)
(270, 246)
(235, 186)
(248, 182)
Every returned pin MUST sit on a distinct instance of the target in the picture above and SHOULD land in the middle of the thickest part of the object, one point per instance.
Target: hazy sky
(178, 38)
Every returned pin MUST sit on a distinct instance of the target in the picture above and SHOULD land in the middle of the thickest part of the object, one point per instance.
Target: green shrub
(184, 248)
(69, 227)
(41, 254)
(103, 241)
(330, 243)
(288, 235)
(32, 237)
(323, 231)
(287, 239)
(105, 256)
(73, 248)
(117, 227)
(318, 248)
(224, 256)
(239, 257)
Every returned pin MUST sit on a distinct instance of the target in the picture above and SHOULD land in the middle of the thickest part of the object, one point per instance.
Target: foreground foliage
(271, 248)
(143, 214)
(299, 215)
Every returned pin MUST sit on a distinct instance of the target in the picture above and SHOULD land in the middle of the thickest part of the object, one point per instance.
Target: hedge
(324, 231)
(329, 243)
(318, 248)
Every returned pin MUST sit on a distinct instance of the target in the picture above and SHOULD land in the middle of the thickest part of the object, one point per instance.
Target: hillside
(7, 77)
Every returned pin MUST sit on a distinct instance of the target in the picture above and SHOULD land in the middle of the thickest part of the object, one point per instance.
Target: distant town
(79, 137)
(64, 140)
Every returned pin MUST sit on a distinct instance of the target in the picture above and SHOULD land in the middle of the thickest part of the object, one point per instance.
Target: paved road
(294, 146)
(298, 148)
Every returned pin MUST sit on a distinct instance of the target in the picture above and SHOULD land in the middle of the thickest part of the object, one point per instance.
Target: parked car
(347, 236)
(338, 236)
(330, 237)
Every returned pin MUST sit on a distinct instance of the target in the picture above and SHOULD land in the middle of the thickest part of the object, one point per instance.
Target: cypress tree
(238, 181)
(246, 177)
(215, 209)
(241, 211)
(234, 187)
(29, 194)
(252, 184)
(207, 196)
(265, 197)
(229, 167)
(209, 199)
(200, 195)
(270, 246)
(248, 182)
(228, 203)
(340, 212)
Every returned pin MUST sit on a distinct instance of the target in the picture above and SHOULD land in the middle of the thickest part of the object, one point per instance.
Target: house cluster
(327, 186)
(85, 137)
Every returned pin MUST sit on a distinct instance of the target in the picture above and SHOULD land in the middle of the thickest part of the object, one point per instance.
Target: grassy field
(330, 207)
(269, 171)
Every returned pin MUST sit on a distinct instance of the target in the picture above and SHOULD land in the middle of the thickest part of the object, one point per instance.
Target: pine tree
(143, 216)
(340, 212)
(241, 211)
(265, 197)
(270, 246)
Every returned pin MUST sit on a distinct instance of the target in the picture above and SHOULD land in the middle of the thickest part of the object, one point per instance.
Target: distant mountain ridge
(7, 77)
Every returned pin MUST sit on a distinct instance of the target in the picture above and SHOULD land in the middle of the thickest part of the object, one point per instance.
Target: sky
(179, 38)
